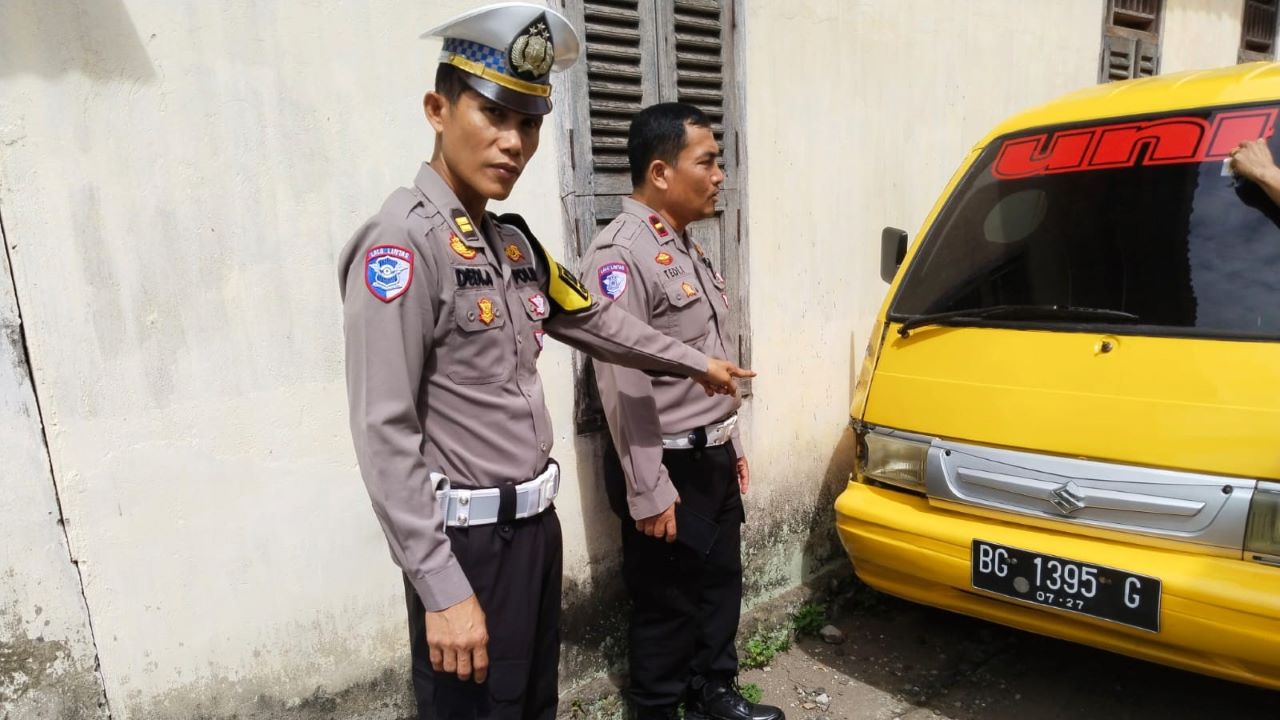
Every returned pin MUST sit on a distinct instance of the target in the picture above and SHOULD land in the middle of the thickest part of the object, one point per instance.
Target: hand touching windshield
(1252, 160)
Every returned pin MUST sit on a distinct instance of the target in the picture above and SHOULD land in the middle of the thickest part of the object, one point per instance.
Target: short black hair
(449, 83)
(659, 132)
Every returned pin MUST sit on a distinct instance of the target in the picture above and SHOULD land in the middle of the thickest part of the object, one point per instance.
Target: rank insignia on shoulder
(658, 227)
(663, 258)
(463, 221)
(388, 271)
(486, 310)
(613, 279)
(689, 290)
(538, 306)
(514, 254)
(461, 248)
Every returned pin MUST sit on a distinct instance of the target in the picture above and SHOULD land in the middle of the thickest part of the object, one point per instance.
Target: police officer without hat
(676, 470)
(445, 308)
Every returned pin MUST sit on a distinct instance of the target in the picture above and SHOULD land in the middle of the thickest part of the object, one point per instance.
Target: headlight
(893, 461)
(1263, 533)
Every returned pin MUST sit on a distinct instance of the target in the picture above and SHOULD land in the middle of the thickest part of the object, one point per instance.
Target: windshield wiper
(1017, 312)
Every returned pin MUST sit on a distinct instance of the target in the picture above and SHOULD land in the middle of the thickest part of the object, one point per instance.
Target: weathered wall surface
(176, 179)
(1200, 34)
(46, 650)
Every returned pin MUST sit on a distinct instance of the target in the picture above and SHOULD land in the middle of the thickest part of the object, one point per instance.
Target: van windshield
(1135, 216)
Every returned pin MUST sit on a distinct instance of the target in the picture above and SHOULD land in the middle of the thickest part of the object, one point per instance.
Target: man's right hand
(661, 526)
(720, 376)
(459, 640)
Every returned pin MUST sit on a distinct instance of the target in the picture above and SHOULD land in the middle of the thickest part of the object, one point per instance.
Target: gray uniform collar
(439, 194)
(658, 225)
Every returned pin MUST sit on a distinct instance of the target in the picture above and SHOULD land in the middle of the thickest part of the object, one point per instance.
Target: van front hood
(1210, 406)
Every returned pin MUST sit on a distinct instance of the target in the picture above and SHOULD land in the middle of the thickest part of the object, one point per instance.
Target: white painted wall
(1200, 34)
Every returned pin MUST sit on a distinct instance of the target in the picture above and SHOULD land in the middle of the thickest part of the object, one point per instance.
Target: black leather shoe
(720, 700)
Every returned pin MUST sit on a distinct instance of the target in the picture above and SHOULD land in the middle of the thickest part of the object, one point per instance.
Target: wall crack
(24, 349)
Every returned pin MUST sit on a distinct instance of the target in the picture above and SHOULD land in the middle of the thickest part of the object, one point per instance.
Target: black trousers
(514, 570)
(684, 607)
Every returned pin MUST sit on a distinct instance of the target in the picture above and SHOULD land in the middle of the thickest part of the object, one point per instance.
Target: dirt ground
(901, 660)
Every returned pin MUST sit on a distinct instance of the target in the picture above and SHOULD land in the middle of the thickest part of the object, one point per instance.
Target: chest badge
(461, 248)
(663, 259)
(689, 290)
(540, 338)
(538, 306)
(486, 310)
(658, 227)
(514, 254)
(388, 271)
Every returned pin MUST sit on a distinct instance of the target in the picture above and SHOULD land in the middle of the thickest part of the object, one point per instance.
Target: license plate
(1101, 592)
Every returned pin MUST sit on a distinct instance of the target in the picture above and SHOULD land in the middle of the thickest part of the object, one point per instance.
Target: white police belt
(464, 508)
(716, 434)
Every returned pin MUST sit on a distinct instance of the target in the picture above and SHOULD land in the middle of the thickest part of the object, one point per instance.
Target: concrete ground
(901, 660)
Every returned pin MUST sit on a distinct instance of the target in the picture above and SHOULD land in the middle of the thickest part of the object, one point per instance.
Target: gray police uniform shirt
(641, 265)
(444, 320)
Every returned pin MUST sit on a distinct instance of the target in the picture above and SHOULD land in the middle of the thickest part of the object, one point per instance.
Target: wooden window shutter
(1131, 39)
(637, 53)
(1258, 31)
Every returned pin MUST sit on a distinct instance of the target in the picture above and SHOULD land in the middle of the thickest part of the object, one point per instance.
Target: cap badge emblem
(532, 52)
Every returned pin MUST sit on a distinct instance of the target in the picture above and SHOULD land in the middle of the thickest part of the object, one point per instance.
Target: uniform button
(497, 313)
(542, 447)
(471, 316)
(519, 341)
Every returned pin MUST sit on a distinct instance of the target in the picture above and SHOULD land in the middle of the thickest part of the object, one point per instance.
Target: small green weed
(752, 692)
(763, 646)
(605, 708)
(808, 619)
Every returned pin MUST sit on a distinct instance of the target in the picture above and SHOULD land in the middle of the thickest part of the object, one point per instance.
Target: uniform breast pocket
(687, 312)
(479, 352)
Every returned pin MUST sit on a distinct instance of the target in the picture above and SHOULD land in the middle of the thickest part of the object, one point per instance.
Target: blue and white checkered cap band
(490, 57)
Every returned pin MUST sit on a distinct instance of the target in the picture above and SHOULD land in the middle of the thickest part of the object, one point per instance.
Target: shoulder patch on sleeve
(613, 278)
(388, 271)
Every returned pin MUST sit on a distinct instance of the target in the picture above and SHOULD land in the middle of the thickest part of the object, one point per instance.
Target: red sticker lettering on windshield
(1166, 141)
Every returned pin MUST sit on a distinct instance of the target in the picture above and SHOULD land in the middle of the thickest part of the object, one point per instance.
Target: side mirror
(893, 250)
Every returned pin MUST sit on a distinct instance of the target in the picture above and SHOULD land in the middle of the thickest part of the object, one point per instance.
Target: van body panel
(1195, 405)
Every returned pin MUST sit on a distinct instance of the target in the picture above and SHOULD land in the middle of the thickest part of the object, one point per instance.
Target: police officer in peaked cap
(445, 312)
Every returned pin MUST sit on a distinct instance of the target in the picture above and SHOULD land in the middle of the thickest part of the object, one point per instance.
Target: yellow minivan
(1068, 418)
